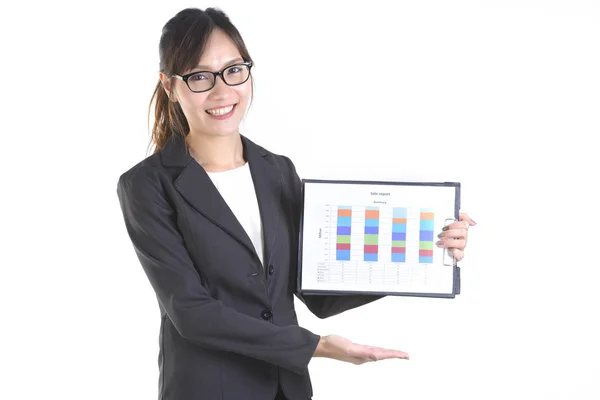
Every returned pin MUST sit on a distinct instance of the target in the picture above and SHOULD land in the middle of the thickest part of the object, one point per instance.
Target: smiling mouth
(217, 112)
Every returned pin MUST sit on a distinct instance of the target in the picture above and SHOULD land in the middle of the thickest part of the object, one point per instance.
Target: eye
(234, 70)
(197, 77)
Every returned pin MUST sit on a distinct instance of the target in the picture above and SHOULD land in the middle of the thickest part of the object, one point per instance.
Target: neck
(216, 153)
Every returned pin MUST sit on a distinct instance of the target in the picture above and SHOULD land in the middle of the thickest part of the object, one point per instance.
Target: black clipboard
(456, 284)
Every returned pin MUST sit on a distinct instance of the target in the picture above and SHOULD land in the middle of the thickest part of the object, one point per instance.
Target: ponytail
(168, 118)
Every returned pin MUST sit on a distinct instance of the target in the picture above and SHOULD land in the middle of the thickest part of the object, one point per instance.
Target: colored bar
(425, 245)
(342, 255)
(344, 221)
(372, 214)
(398, 228)
(399, 234)
(344, 212)
(370, 257)
(371, 230)
(398, 257)
(371, 239)
(371, 248)
(426, 227)
(343, 239)
(344, 231)
(426, 235)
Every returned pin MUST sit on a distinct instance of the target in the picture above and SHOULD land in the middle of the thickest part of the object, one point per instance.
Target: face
(211, 113)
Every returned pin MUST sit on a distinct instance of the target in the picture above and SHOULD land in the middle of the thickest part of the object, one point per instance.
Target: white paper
(370, 251)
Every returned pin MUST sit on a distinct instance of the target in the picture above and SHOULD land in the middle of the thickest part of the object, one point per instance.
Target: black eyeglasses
(202, 81)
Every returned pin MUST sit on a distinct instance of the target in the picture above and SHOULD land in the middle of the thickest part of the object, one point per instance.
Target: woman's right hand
(340, 348)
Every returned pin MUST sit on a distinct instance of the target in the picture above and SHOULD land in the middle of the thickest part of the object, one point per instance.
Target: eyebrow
(205, 68)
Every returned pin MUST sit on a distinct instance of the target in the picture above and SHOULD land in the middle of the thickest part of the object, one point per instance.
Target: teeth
(220, 111)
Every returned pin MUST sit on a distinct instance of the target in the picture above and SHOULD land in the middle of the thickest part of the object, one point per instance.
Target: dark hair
(182, 43)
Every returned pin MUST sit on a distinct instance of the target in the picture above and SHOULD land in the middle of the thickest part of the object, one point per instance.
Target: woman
(214, 221)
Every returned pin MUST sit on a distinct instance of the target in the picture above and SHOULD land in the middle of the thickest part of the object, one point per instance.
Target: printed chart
(353, 240)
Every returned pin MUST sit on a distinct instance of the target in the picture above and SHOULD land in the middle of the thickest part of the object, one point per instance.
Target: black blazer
(228, 328)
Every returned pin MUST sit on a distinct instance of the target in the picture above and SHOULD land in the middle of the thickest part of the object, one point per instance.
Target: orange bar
(344, 213)
(426, 215)
(399, 220)
(372, 214)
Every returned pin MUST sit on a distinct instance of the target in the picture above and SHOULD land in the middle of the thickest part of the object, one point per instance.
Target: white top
(237, 189)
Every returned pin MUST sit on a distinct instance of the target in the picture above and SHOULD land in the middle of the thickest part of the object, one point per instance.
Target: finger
(457, 225)
(465, 217)
(372, 353)
(454, 233)
(385, 354)
(451, 243)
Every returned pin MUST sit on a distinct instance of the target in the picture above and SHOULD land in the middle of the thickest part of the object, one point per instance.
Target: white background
(502, 96)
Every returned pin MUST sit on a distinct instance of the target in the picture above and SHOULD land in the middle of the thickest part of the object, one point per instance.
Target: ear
(166, 84)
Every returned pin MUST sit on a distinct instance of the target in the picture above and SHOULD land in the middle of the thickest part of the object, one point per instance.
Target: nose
(220, 89)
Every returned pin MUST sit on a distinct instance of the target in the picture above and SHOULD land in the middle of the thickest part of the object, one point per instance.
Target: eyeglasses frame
(216, 76)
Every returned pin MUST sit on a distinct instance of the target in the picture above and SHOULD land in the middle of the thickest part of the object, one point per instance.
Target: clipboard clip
(447, 256)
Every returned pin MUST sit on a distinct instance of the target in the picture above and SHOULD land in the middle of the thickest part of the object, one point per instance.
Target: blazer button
(266, 314)
(271, 269)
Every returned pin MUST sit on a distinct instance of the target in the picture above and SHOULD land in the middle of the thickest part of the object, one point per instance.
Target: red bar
(371, 248)
(344, 213)
(399, 250)
(342, 246)
(426, 253)
(399, 220)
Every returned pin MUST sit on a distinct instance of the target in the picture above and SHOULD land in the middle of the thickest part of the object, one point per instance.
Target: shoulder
(142, 180)
(279, 161)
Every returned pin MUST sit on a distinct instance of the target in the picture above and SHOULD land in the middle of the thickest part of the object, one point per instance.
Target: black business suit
(228, 326)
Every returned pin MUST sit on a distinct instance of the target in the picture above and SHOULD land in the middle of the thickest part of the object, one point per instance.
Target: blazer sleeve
(322, 306)
(199, 318)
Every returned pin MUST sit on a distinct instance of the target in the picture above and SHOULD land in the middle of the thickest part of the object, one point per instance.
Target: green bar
(343, 239)
(371, 239)
(399, 243)
(426, 246)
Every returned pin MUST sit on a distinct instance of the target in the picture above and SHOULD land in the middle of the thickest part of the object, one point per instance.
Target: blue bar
(426, 224)
(344, 230)
(399, 213)
(427, 260)
(372, 208)
(426, 236)
(344, 221)
(370, 256)
(398, 257)
(371, 222)
(399, 236)
(343, 255)
(371, 230)
(345, 207)
(399, 228)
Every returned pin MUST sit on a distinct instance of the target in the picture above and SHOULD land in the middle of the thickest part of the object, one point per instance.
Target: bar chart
(386, 234)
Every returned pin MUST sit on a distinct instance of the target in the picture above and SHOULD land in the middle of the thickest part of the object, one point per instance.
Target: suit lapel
(267, 183)
(196, 187)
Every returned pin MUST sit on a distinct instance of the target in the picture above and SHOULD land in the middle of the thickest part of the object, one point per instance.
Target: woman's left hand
(454, 236)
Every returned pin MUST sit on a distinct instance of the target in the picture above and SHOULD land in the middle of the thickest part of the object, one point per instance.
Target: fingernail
(441, 235)
(439, 242)
(445, 228)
